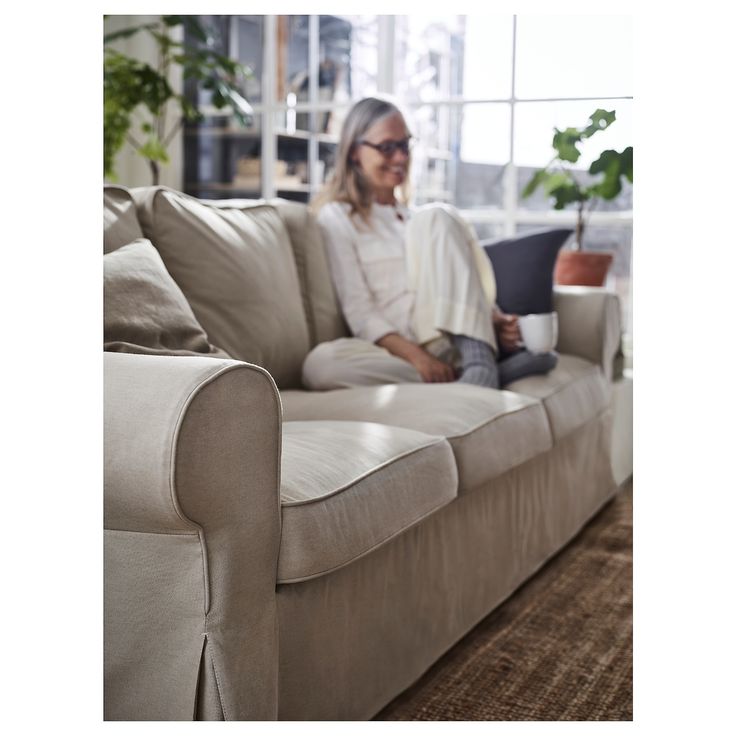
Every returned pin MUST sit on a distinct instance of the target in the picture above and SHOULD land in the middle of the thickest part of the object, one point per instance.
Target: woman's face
(383, 173)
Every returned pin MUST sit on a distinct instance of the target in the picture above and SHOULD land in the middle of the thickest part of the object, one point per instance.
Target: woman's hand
(507, 330)
(429, 368)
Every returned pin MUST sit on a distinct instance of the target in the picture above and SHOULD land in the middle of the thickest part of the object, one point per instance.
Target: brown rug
(559, 649)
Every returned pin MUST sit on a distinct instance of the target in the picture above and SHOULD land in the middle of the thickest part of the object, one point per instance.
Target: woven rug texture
(560, 648)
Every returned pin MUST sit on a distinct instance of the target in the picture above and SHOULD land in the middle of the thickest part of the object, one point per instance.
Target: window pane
(348, 49)
(487, 62)
(460, 154)
(429, 54)
(434, 128)
(292, 57)
(363, 58)
(485, 136)
(248, 50)
(574, 55)
(222, 159)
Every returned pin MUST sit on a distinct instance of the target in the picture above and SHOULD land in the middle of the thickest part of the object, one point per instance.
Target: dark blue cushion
(524, 268)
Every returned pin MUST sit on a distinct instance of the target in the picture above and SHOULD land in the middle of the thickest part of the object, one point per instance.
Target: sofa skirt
(351, 641)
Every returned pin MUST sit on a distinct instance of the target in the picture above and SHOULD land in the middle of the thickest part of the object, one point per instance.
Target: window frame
(510, 215)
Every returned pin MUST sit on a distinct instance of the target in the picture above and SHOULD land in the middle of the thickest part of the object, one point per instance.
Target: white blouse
(368, 266)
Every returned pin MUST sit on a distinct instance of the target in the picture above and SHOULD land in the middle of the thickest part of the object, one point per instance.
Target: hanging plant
(133, 88)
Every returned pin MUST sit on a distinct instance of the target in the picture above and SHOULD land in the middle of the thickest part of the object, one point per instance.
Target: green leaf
(196, 29)
(126, 32)
(557, 181)
(567, 193)
(627, 163)
(613, 165)
(538, 178)
(154, 150)
(564, 142)
(131, 85)
(599, 120)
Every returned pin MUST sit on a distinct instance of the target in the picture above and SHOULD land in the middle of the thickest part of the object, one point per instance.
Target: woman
(416, 289)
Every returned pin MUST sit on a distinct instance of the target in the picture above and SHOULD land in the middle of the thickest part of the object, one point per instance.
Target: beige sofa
(275, 553)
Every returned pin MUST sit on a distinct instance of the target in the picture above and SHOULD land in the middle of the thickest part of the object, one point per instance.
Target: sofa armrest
(192, 529)
(589, 324)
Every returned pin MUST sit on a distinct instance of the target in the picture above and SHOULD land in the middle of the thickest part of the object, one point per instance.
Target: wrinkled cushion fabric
(524, 268)
(320, 301)
(237, 271)
(348, 487)
(144, 310)
(489, 431)
(119, 218)
(573, 393)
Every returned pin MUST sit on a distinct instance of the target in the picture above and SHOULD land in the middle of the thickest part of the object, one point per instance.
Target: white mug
(539, 332)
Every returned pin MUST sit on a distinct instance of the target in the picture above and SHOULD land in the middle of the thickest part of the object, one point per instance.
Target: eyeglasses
(388, 148)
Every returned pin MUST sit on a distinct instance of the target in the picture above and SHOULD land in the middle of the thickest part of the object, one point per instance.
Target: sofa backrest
(179, 228)
(120, 218)
(324, 316)
(237, 271)
(325, 320)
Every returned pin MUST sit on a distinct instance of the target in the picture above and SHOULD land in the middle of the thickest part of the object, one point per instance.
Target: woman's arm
(356, 300)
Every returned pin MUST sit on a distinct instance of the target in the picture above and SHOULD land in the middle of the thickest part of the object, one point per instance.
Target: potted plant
(561, 182)
(132, 86)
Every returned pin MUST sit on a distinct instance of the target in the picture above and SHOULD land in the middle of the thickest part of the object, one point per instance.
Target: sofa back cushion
(237, 271)
(120, 218)
(144, 310)
(524, 267)
(325, 320)
(324, 316)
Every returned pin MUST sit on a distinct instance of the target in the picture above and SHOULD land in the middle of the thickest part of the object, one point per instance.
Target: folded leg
(524, 363)
(349, 362)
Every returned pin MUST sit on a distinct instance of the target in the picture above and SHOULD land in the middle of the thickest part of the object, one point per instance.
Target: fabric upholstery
(524, 268)
(348, 487)
(192, 519)
(236, 269)
(119, 218)
(324, 317)
(573, 393)
(589, 324)
(369, 630)
(144, 310)
(482, 425)
(322, 310)
(145, 653)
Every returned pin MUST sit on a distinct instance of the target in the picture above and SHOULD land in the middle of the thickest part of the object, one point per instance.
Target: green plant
(133, 89)
(560, 182)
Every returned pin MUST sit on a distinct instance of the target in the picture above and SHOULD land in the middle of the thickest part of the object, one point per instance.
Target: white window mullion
(386, 53)
(511, 174)
(313, 144)
(268, 128)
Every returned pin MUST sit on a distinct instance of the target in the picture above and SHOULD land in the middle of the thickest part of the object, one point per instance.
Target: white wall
(132, 169)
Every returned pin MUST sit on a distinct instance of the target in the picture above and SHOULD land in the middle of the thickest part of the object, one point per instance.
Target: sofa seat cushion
(489, 431)
(573, 393)
(348, 487)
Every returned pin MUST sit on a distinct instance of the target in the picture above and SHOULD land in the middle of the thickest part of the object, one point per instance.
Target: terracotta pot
(582, 268)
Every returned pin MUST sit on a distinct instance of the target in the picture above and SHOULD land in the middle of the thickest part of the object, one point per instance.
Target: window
(482, 93)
